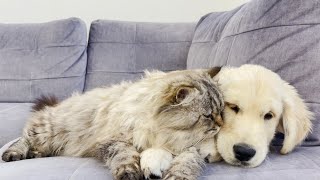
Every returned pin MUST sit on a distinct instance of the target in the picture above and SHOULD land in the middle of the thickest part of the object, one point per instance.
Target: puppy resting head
(258, 102)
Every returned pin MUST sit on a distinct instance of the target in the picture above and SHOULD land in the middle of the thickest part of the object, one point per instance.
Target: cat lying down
(168, 118)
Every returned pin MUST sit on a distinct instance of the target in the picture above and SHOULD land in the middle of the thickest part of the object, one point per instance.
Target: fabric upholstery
(123, 50)
(303, 163)
(281, 35)
(44, 58)
(12, 119)
(53, 168)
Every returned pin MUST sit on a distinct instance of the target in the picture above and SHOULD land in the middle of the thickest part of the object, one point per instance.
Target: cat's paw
(13, 155)
(186, 166)
(172, 176)
(180, 172)
(154, 162)
(34, 154)
(128, 172)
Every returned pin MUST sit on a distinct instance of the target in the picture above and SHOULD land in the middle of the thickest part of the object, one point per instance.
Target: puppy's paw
(208, 151)
(154, 161)
(211, 158)
(13, 155)
(128, 172)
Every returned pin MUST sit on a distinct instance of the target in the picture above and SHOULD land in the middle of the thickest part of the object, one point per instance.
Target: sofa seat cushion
(303, 163)
(12, 119)
(280, 35)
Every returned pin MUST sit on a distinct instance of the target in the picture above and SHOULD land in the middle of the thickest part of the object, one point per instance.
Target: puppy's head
(189, 109)
(258, 102)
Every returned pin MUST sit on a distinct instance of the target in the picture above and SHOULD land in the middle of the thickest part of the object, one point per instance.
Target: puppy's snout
(243, 152)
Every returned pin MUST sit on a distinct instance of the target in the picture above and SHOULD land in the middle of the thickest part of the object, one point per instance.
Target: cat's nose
(219, 120)
(215, 118)
(243, 152)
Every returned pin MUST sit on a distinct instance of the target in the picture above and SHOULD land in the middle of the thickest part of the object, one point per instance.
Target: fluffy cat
(123, 125)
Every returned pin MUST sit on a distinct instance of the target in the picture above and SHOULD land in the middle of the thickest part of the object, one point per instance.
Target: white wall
(23, 11)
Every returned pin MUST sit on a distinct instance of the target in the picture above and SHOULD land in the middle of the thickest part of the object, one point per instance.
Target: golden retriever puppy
(257, 104)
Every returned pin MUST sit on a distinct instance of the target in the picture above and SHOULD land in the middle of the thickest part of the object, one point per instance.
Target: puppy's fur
(250, 93)
(168, 112)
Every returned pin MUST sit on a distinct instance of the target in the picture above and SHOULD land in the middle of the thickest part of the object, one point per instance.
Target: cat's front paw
(177, 176)
(13, 155)
(154, 162)
(186, 166)
(128, 172)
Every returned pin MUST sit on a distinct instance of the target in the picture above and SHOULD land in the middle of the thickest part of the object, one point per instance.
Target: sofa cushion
(280, 35)
(122, 50)
(303, 163)
(53, 168)
(44, 58)
(12, 119)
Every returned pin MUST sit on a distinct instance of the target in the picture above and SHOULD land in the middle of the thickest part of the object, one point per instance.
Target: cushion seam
(76, 170)
(34, 79)
(114, 42)
(120, 72)
(251, 30)
(15, 49)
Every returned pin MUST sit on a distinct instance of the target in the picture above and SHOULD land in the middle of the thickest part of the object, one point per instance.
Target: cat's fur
(167, 111)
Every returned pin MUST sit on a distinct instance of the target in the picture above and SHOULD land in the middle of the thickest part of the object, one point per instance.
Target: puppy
(258, 103)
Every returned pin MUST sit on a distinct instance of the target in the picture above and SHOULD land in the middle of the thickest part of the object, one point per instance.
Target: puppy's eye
(235, 108)
(268, 116)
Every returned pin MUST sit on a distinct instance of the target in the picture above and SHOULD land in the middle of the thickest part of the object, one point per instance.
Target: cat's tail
(44, 101)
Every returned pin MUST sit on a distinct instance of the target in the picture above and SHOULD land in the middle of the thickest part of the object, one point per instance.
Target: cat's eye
(209, 116)
(268, 116)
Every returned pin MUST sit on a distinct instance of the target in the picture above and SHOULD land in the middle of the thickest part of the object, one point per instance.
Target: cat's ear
(182, 94)
(213, 71)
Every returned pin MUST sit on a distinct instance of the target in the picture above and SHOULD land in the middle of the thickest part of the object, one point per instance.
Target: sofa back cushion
(123, 50)
(44, 58)
(283, 36)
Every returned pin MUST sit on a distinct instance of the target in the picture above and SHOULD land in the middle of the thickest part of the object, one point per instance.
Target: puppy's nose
(243, 152)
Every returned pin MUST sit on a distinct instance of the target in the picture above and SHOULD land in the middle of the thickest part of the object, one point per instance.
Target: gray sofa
(58, 58)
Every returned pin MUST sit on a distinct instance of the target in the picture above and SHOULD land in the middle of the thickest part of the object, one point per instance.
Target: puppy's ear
(213, 71)
(296, 119)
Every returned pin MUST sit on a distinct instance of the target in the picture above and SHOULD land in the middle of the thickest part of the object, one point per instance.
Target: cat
(176, 113)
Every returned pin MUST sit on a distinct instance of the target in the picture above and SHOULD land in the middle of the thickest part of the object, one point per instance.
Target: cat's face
(191, 110)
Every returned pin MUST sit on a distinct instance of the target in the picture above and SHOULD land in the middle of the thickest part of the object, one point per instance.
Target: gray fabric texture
(282, 35)
(44, 58)
(12, 119)
(53, 168)
(303, 163)
(122, 50)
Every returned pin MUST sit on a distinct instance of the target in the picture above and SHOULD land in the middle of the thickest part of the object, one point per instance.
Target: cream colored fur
(257, 91)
